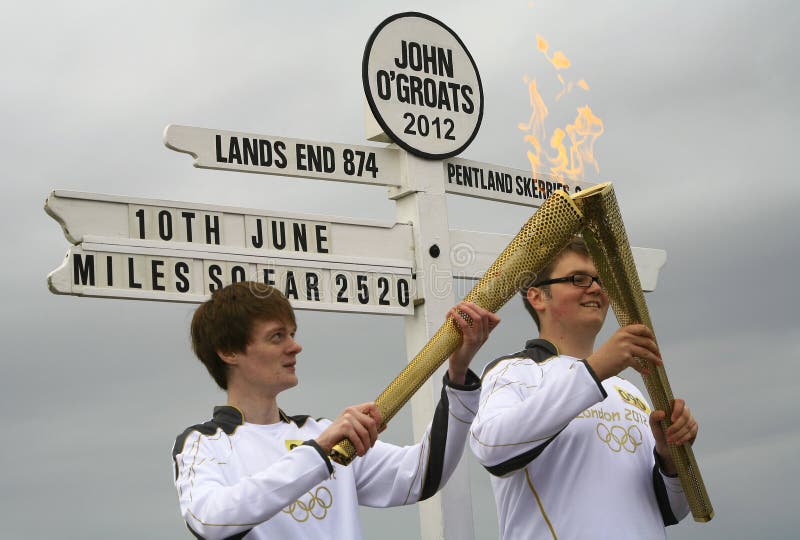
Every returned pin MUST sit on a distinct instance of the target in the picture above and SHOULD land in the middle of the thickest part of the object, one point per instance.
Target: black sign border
(374, 107)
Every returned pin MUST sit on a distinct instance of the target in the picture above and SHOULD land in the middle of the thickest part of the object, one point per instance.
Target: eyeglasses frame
(571, 279)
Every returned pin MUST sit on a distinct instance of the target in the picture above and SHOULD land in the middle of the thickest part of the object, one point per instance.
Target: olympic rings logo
(316, 506)
(617, 437)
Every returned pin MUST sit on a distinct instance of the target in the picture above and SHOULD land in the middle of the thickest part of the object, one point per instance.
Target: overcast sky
(698, 103)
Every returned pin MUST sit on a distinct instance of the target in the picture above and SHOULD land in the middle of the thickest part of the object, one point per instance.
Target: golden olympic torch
(539, 240)
(607, 240)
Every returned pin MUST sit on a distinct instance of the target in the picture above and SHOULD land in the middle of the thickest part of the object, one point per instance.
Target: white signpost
(424, 90)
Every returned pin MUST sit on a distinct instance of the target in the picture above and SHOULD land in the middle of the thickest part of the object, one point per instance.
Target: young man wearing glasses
(574, 450)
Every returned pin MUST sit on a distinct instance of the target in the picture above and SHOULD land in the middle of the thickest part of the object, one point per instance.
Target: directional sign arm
(505, 184)
(472, 252)
(283, 156)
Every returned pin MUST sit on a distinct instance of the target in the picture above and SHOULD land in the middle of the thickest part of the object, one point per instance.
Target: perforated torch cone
(540, 239)
(607, 240)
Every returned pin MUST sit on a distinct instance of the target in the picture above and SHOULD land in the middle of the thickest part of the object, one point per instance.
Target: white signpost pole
(422, 202)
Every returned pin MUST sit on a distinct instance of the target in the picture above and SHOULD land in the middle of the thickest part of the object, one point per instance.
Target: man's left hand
(474, 335)
(683, 430)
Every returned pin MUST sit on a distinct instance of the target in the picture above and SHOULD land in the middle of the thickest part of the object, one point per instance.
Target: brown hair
(225, 322)
(576, 245)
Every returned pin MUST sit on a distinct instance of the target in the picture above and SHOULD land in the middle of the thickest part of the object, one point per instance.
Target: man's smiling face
(570, 307)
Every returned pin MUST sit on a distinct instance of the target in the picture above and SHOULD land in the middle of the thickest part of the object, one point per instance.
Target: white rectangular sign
(270, 154)
(505, 184)
(225, 229)
(144, 273)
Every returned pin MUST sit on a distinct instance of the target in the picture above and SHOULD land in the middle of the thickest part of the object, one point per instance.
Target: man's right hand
(623, 349)
(358, 423)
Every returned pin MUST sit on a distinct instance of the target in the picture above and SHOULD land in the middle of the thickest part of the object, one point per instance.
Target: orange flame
(572, 147)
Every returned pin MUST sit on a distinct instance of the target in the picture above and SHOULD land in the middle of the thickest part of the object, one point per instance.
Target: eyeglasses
(579, 280)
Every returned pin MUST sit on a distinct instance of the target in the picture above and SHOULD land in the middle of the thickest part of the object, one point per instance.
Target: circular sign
(422, 85)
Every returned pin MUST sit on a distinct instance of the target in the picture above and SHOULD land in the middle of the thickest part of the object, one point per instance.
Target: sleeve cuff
(660, 465)
(313, 444)
(594, 376)
(471, 382)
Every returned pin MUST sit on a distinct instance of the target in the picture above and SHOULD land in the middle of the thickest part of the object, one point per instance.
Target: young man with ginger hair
(256, 472)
